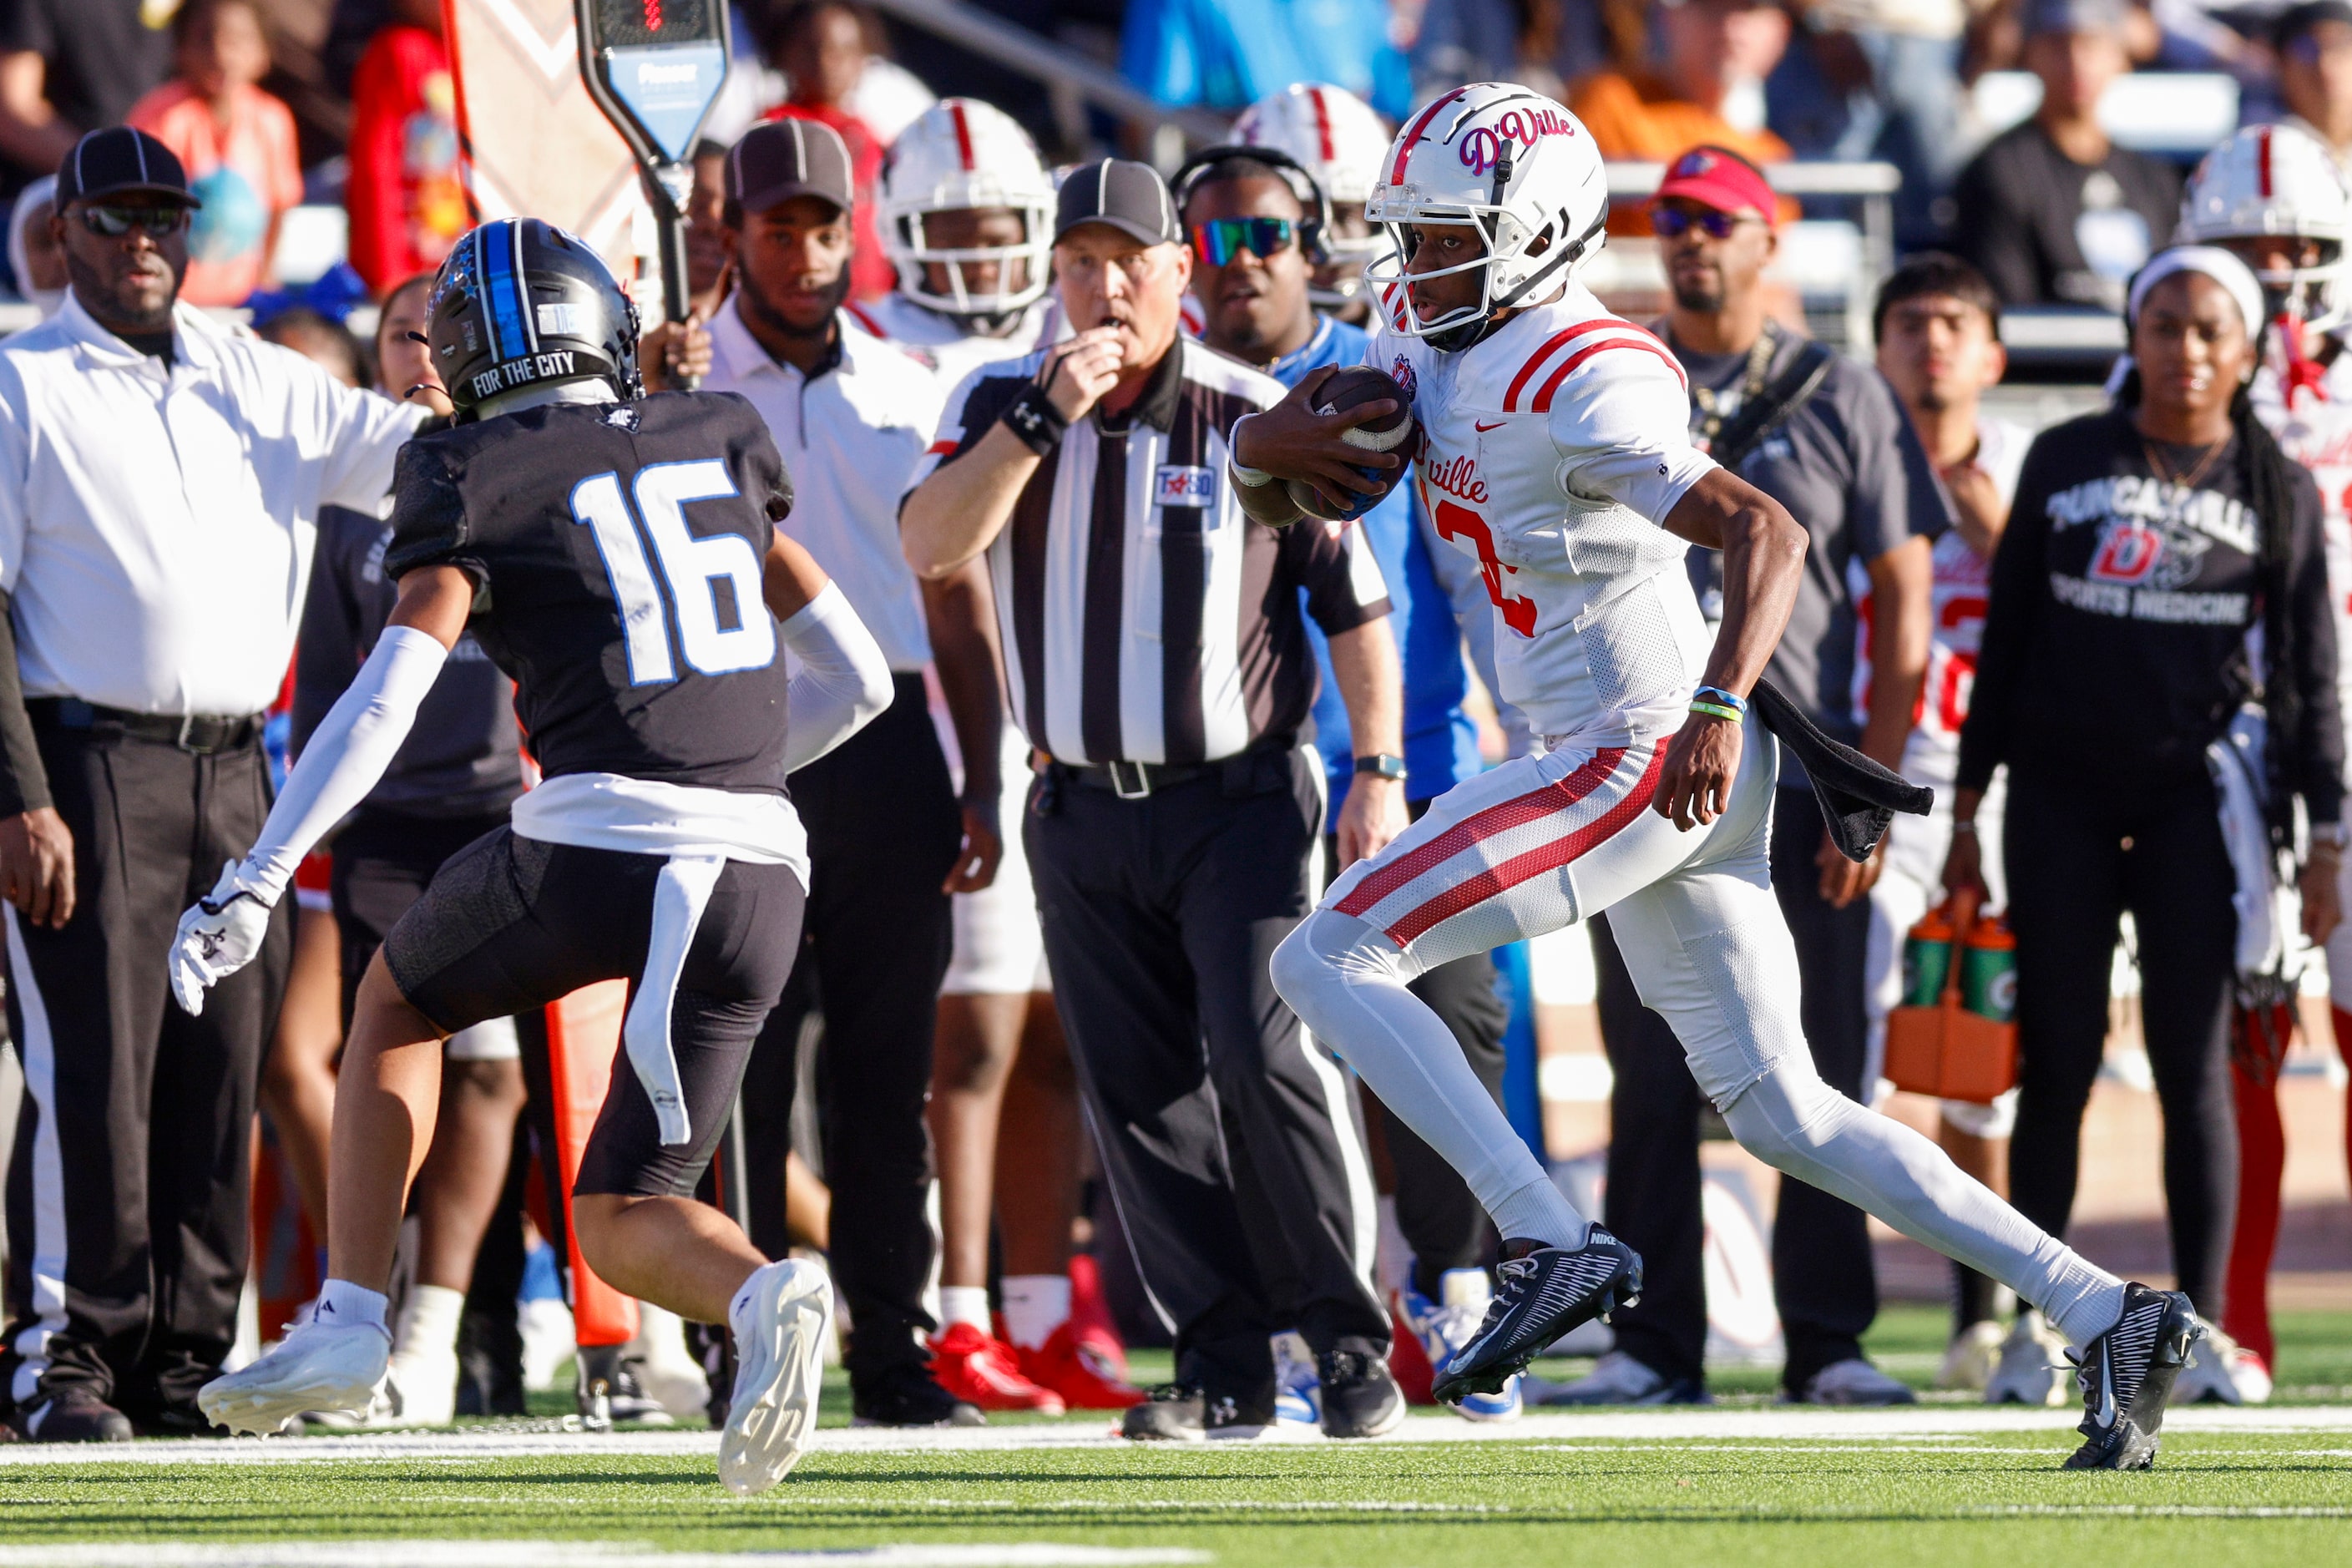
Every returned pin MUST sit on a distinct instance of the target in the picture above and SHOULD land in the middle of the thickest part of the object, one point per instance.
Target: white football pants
(1543, 841)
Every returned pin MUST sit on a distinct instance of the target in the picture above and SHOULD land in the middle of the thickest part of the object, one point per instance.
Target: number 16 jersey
(1553, 448)
(616, 550)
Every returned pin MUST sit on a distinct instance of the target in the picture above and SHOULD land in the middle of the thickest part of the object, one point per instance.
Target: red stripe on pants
(2262, 1167)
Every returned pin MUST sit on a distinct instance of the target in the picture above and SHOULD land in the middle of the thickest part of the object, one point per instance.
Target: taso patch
(1401, 374)
(1178, 486)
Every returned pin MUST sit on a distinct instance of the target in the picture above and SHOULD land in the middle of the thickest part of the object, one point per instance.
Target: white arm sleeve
(843, 681)
(347, 754)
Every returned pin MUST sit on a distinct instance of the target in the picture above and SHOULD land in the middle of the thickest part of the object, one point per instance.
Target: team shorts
(1000, 948)
(381, 864)
(511, 923)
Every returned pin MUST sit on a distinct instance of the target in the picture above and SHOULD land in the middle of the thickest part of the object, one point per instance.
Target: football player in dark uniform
(617, 555)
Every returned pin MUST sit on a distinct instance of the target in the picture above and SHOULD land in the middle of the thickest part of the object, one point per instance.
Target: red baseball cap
(1719, 178)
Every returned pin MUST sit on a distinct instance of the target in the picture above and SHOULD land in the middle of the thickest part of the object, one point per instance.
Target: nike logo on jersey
(1481, 428)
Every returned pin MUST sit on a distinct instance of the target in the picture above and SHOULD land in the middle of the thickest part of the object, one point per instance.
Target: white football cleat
(2033, 1368)
(329, 1367)
(1971, 1357)
(779, 1367)
(424, 1390)
(2221, 1370)
(1854, 1382)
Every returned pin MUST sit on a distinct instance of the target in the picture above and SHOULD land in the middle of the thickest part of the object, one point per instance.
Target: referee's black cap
(1131, 198)
(118, 161)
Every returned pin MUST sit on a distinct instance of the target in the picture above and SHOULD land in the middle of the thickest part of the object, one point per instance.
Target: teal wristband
(1732, 700)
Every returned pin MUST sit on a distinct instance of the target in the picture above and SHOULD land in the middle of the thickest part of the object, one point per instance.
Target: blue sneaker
(1445, 1325)
(1298, 1391)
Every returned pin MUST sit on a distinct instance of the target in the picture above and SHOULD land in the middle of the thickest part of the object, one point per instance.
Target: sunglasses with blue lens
(1673, 223)
(1218, 241)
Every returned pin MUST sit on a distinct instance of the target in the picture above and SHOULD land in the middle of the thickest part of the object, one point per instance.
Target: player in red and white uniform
(1337, 139)
(1557, 452)
(966, 218)
(2275, 197)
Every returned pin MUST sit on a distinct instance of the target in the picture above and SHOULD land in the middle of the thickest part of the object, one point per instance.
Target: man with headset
(1256, 219)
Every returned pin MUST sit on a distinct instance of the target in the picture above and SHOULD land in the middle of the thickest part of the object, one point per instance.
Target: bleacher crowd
(1029, 1091)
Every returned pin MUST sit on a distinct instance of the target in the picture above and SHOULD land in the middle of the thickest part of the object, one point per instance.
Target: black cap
(2296, 20)
(786, 158)
(2100, 17)
(1131, 197)
(118, 161)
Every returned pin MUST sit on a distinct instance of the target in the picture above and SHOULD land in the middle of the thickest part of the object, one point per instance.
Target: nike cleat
(333, 1368)
(780, 1365)
(2126, 1376)
(1441, 1327)
(1542, 1293)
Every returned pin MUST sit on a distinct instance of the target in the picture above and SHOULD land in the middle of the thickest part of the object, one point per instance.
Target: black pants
(1822, 1274)
(2076, 859)
(884, 832)
(127, 1190)
(383, 863)
(1442, 1219)
(1227, 1135)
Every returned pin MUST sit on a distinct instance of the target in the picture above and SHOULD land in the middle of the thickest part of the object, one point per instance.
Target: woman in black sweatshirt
(2146, 543)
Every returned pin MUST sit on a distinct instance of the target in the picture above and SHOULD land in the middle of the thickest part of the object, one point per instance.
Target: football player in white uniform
(1555, 448)
(2275, 197)
(968, 220)
(1337, 139)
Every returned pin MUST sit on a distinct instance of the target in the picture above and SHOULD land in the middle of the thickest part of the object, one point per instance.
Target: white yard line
(572, 1555)
(1699, 1425)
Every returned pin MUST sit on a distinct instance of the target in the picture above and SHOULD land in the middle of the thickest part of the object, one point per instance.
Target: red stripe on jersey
(858, 313)
(1393, 297)
(1500, 817)
(1406, 142)
(2262, 162)
(1526, 371)
(963, 133)
(1543, 396)
(1322, 121)
(1535, 862)
(939, 449)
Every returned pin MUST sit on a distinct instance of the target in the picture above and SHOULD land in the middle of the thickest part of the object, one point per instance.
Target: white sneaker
(1615, 1379)
(2221, 1370)
(779, 1367)
(318, 1366)
(1969, 1360)
(1297, 1387)
(423, 1390)
(1855, 1381)
(2033, 1369)
(668, 1373)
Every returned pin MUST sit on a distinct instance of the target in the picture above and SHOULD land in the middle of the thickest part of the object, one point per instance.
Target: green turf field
(2220, 1496)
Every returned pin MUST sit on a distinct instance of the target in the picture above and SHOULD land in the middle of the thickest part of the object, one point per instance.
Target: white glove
(218, 936)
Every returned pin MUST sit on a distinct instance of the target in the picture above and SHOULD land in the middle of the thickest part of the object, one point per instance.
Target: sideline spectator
(159, 479)
(71, 66)
(2147, 542)
(406, 204)
(2052, 211)
(35, 260)
(2314, 55)
(1878, 80)
(706, 253)
(1838, 453)
(1938, 325)
(1170, 837)
(823, 46)
(236, 142)
(1704, 84)
(323, 340)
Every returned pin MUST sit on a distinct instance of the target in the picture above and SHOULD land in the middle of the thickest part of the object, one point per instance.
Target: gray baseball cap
(1131, 198)
(2072, 16)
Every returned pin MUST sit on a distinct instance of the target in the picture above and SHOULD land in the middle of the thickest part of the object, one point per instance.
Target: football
(1394, 431)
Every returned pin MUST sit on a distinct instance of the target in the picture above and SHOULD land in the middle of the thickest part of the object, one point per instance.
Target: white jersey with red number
(947, 344)
(2318, 433)
(1554, 447)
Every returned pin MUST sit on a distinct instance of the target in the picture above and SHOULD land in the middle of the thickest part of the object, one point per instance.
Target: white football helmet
(1337, 139)
(1511, 164)
(962, 154)
(2274, 180)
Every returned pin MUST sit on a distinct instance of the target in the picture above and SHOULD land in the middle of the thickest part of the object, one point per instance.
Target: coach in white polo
(159, 480)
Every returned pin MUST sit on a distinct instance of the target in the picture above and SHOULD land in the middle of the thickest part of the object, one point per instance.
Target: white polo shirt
(156, 526)
(851, 436)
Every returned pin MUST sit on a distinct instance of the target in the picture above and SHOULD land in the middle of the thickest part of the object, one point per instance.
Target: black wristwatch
(1383, 765)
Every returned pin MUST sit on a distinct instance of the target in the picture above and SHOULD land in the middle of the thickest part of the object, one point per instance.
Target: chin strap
(2301, 372)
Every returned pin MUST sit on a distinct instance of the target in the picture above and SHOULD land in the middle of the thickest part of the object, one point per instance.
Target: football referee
(160, 482)
(1155, 648)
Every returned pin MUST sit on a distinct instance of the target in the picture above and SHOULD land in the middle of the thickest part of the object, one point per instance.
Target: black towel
(1858, 796)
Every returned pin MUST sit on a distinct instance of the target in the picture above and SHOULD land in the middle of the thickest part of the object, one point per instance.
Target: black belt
(1263, 766)
(202, 734)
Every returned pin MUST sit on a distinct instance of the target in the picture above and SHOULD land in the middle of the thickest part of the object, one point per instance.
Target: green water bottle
(1989, 970)
(1927, 960)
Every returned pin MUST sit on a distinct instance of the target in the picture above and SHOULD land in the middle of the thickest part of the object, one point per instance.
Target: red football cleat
(985, 1371)
(1078, 1366)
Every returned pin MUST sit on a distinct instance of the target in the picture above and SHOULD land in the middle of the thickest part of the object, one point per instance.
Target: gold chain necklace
(2185, 482)
(1708, 402)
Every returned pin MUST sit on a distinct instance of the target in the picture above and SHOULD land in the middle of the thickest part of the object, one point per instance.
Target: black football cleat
(2126, 1377)
(1175, 1413)
(1360, 1398)
(1541, 1293)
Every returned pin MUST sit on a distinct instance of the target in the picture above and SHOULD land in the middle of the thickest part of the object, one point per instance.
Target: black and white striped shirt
(1145, 618)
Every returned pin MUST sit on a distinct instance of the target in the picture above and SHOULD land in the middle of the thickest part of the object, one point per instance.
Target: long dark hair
(2270, 491)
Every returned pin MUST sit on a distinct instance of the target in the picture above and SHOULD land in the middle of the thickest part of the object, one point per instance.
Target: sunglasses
(116, 222)
(1673, 223)
(1219, 240)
